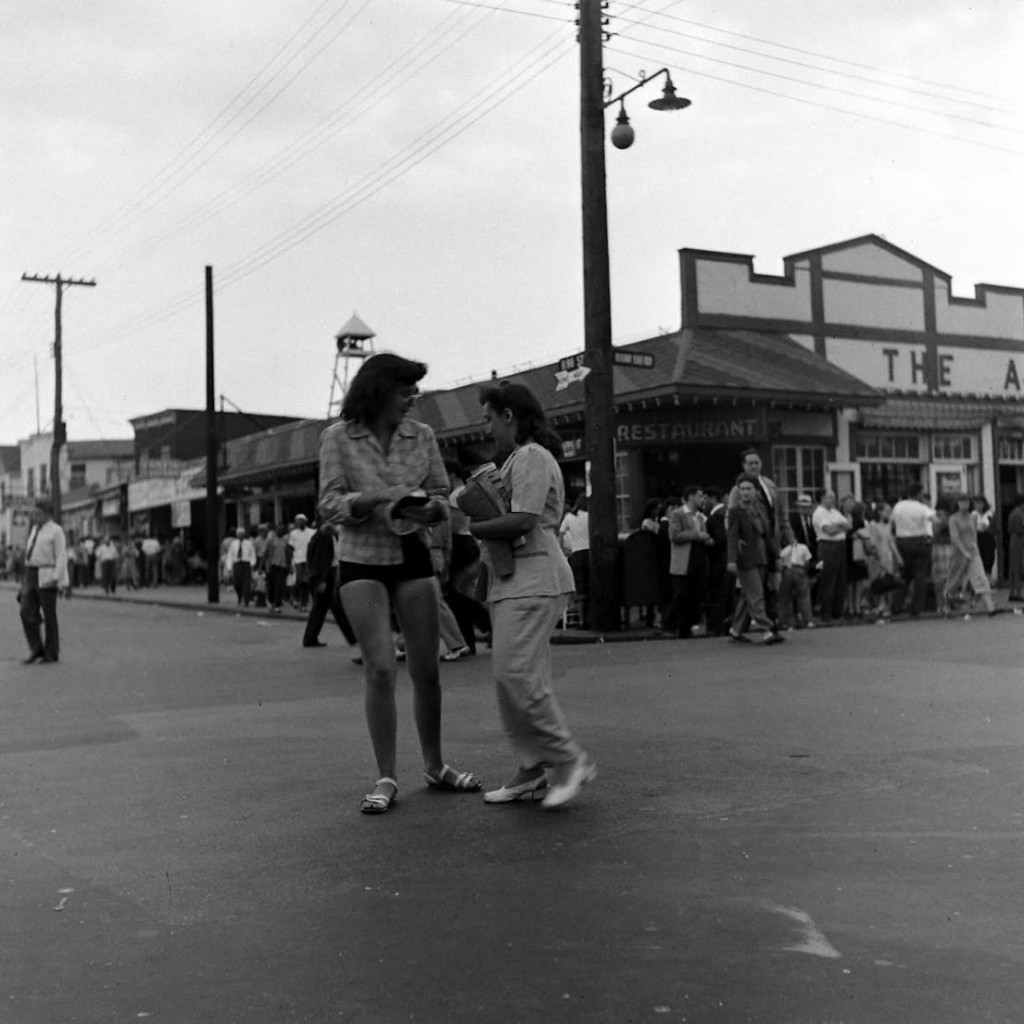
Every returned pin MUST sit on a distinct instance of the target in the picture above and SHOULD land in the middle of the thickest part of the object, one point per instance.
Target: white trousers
(521, 630)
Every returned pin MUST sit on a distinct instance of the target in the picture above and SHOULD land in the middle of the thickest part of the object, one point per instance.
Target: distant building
(163, 498)
(85, 468)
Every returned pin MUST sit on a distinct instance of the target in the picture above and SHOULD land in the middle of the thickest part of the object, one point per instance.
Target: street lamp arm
(639, 85)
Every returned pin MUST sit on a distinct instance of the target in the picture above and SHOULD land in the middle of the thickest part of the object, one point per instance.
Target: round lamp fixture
(622, 134)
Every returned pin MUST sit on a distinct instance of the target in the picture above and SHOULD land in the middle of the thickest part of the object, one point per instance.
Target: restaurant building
(855, 368)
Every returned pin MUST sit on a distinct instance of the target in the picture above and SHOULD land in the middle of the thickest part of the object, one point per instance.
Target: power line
(822, 56)
(827, 88)
(827, 106)
(413, 61)
(176, 172)
(504, 10)
(429, 142)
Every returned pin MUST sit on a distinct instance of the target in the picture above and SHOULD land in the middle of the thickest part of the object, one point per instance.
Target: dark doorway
(666, 471)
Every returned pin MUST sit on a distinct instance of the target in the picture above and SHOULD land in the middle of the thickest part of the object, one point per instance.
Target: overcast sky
(417, 161)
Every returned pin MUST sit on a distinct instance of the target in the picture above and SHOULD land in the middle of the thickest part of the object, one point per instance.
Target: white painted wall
(1002, 316)
(872, 260)
(727, 288)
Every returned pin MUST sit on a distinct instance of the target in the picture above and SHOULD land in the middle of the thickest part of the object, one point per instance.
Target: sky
(418, 162)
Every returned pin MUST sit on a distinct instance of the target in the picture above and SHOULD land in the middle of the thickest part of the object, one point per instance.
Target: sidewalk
(194, 597)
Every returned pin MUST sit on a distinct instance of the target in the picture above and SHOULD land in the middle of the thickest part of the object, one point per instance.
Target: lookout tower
(354, 343)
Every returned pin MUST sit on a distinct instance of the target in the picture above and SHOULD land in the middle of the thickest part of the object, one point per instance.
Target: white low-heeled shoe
(583, 771)
(532, 790)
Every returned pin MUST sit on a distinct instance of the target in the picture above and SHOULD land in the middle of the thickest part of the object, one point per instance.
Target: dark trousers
(916, 553)
(718, 586)
(832, 581)
(469, 614)
(327, 598)
(39, 606)
(241, 577)
(277, 577)
(108, 573)
(683, 611)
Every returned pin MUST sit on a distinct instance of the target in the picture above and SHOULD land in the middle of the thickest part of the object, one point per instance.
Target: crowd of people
(739, 564)
(133, 562)
(420, 560)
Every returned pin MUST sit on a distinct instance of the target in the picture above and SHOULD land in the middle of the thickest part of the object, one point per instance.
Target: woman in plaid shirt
(384, 483)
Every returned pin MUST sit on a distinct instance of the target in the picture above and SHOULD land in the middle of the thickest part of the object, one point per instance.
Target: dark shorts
(415, 565)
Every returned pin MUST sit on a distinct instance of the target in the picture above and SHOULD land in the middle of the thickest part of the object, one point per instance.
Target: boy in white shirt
(795, 561)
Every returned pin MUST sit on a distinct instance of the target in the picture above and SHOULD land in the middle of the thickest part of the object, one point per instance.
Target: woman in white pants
(527, 605)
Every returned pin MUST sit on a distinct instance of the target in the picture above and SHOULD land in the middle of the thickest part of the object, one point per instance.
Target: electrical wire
(413, 61)
(827, 88)
(827, 106)
(429, 142)
(819, 55)
(183, 167)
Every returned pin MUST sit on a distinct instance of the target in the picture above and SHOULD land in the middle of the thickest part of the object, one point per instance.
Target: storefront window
(1011, 449)
(953, 447)
(622, 503)
(890, 447)
(798, 470)
(888, 481)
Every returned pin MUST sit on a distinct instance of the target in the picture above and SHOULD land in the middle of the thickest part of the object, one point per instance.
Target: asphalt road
(827, 831)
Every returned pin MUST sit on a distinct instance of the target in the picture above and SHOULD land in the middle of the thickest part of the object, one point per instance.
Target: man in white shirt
(107, 556)
(46, 572)
(240, 559)
(298, 545)
(151, 549)
(912, 524)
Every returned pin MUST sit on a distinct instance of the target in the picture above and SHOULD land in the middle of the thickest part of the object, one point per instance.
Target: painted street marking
(813, 941)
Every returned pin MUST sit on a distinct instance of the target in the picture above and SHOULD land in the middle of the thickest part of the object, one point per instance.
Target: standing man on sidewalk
(107, 556)
(912, 524)
(46, 572)
(298, 545)
(240, 559)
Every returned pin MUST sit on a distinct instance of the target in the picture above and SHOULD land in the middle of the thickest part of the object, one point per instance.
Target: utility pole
(59, 427)
(212, 451)
(598, 386)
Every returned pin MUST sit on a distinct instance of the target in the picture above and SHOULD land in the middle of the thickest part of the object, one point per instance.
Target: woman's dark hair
(377, 380)
(652, 507)
(530, 418)
(581, 504)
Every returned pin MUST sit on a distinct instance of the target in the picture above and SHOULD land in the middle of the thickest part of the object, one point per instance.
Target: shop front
(686, 416)
(168, 507)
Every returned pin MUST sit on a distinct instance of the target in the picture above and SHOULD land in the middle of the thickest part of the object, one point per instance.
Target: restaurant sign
(692, 426)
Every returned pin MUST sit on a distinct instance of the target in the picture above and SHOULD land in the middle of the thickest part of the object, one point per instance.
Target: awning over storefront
(694, 365)
(159, 491)
(952, 413)
(290, 450)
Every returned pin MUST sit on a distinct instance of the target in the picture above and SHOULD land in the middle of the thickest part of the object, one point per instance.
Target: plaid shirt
(352, 463)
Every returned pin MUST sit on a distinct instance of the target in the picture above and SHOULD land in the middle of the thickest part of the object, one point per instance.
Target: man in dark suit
(748, 558)
(767, 495)
(322, 563)
(719, 581)
(803, 528)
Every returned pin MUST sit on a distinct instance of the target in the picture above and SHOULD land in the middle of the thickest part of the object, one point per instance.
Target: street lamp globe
(622, 135)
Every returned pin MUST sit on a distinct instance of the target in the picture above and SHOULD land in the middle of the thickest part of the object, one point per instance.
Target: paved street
(828, 831)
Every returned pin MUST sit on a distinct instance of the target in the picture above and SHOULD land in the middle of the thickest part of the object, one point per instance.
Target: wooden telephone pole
(59, 428)
(598, 393)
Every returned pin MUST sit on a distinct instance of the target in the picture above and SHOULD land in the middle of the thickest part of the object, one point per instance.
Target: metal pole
(58, 406)
(212, 451)
(599, 397)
